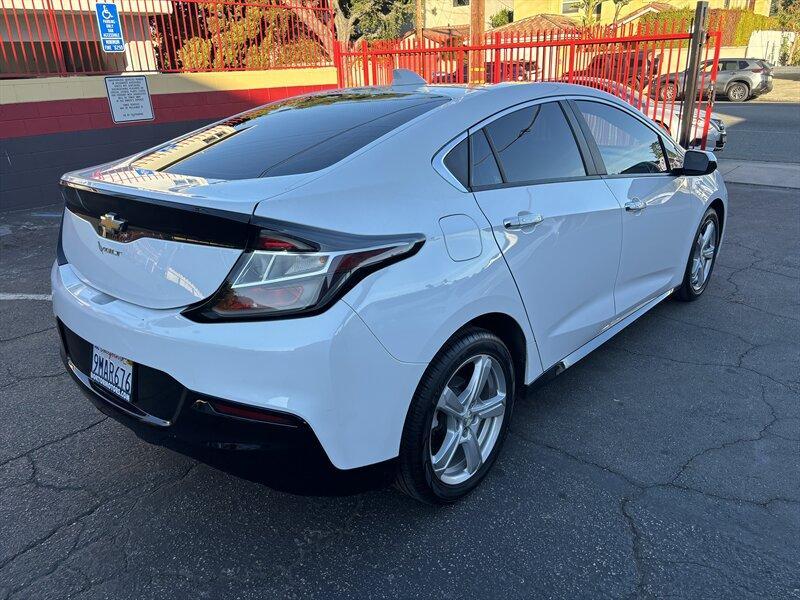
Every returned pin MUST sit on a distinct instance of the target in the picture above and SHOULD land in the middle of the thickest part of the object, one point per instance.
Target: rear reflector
(245, 412)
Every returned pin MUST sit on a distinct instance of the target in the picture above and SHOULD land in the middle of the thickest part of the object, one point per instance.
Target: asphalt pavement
(664, 464)
(761, 131)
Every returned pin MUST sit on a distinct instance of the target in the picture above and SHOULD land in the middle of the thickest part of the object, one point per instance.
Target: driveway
(666, 463)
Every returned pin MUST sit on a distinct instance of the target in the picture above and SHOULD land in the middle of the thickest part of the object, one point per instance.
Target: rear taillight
(284, 274)
(757, 70)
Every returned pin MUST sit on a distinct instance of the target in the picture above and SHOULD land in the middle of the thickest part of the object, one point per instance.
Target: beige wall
(442, 13)
(528, 8)
(13, 91)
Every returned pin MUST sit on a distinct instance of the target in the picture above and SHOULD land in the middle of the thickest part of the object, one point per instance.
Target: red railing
(61, 37)
(637, 63)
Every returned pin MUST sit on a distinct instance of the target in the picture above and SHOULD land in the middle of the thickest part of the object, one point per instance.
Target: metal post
(365, 61)
(693, 73)
(477, 64)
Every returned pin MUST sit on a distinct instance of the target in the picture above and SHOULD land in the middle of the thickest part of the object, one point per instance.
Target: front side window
(628, 146)
(535, 143)
(674, 154)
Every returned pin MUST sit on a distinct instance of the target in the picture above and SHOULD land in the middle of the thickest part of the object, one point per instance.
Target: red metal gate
(640, 64)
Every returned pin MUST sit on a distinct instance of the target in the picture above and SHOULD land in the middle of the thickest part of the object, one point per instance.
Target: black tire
(738, 92)
(688, 292)
(415, 475)
(669, 91)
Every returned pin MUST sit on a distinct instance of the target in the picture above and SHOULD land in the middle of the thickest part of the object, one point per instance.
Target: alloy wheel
(737, 93)
(468, 419)
(703, 256)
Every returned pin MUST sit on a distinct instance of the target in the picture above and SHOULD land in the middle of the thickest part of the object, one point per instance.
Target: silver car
(738, 79)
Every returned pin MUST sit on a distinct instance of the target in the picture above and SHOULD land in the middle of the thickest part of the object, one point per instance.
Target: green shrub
(195, 54)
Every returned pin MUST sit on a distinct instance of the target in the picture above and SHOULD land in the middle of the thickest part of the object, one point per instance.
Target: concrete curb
(785, 175)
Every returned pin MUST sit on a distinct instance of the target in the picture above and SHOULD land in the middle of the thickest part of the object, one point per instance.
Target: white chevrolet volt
(377, 272)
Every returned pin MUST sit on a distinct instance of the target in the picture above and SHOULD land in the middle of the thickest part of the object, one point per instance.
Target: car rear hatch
(157, 250)
(164, 228)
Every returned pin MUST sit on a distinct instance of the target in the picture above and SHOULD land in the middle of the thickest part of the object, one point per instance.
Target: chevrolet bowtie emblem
(110, 225)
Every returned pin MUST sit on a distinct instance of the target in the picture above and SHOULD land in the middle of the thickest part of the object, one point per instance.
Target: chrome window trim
(441, 169)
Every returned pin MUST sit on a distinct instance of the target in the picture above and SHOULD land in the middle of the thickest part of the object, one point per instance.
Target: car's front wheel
(458, 418)
(701, 259)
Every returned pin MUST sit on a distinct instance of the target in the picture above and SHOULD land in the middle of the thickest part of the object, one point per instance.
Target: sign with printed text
(110, 27)
(129, 99)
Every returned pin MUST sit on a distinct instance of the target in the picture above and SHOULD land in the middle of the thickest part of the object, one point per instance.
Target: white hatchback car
(375, 271)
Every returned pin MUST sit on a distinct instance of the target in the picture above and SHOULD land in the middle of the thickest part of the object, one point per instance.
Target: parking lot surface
(667, 463)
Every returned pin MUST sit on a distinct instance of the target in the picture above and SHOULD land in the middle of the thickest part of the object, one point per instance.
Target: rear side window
(628, 146)
(298, 135)
(457, 162)
(534, 144)
(483, 169)
(743, 64)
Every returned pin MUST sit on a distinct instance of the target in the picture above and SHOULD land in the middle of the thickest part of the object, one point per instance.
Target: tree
(371, 19)
(502, 17)
(589, 10)
(618, 6)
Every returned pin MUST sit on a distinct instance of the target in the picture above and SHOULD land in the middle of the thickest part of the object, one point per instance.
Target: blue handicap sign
(110, 27)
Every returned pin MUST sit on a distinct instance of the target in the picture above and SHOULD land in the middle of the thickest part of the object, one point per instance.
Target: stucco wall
(54, 125)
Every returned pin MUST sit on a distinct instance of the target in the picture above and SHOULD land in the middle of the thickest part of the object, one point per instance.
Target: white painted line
(45, 297)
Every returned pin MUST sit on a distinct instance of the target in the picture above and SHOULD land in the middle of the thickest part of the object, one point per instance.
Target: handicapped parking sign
(110, 27)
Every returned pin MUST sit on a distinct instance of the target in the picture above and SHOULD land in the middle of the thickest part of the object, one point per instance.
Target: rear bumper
(327, 374)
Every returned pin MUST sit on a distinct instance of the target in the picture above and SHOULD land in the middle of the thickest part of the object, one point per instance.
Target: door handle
(635, 205)
(522, 220)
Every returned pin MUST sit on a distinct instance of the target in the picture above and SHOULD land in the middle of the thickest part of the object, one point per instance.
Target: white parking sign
(129, 98)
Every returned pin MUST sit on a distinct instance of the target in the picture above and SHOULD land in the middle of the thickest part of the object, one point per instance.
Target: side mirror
(698, 162)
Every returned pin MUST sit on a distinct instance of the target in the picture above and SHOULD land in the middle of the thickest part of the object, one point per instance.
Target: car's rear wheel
(738, 92)
(458, 418)
(701, 259)
(669, 91)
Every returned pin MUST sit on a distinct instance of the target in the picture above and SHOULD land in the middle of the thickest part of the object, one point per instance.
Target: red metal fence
(60, 37)
(639, 64)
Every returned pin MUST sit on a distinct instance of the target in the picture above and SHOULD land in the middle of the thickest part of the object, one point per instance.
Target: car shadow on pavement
(305, 473)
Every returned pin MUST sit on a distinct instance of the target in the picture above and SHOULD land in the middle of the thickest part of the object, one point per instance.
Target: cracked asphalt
(667, 463)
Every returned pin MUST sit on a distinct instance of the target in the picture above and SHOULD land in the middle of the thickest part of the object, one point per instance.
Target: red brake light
(273, 242)
(757, 70)
(282, 274)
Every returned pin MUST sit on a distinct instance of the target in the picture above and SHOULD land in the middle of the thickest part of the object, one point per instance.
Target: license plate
(112, 372)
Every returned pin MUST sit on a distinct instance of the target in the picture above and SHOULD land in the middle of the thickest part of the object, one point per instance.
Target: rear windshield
(293, 136)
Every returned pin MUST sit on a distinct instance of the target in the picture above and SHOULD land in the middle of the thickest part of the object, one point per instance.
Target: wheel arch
(510, 332)
(719, 206)
(744, 82)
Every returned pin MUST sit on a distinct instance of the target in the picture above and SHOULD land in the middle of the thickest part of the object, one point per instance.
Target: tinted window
(483, 169)
(298, 135)
(743, 64)
(457, 162)
(674, 154)
(535, 143)
(627, 145)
